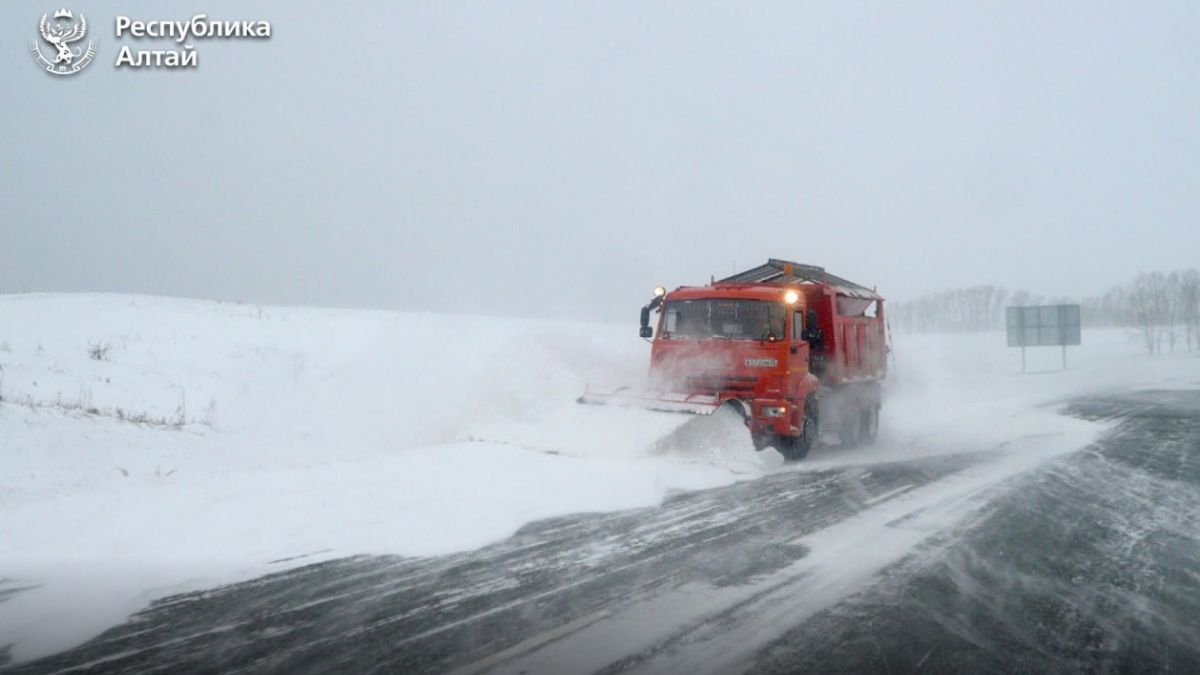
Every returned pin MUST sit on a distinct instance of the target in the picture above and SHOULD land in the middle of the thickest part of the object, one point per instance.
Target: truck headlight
(774, 410)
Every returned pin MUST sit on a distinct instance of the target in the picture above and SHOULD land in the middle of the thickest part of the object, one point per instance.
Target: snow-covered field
(150, 446)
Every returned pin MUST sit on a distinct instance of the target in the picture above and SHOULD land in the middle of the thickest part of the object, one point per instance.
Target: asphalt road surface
(1089, 562)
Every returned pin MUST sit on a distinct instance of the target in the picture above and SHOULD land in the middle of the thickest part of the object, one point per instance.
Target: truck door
(798, 352)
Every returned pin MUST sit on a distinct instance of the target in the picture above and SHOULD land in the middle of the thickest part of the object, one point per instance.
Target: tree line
(1163, 307)
(975, 308)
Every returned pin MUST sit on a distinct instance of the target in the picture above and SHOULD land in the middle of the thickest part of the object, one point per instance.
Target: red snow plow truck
(790, 348)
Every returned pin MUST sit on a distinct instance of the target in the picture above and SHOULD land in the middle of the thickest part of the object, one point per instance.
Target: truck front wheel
(795, 448)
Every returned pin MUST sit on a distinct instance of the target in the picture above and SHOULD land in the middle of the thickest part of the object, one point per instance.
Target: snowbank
(150, 445)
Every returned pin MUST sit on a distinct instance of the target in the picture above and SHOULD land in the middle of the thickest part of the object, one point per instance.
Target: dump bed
(850, 317)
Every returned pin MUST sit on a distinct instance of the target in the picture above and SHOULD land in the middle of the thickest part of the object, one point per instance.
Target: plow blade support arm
(665, 401)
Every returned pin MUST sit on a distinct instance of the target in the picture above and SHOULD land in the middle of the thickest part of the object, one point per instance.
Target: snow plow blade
(665, 401)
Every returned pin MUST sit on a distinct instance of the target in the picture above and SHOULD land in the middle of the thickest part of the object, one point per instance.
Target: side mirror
(646, 332)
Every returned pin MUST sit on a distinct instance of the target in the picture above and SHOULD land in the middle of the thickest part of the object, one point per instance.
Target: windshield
(723, 318)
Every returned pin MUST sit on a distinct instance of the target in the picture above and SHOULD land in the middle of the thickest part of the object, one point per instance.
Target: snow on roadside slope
(311, 434)
(306, 432)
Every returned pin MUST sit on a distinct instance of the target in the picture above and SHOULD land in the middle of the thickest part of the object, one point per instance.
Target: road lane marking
(890, 493)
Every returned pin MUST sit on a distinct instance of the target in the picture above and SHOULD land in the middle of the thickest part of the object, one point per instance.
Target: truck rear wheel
(851, 430)
(794, 448)
(870, 424)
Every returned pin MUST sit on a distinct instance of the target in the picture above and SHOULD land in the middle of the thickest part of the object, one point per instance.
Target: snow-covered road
(1028, 557)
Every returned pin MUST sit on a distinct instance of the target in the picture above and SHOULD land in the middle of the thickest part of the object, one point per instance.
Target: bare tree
(1149, 304)
(1173, 306)
(1189, 306)
(960, 309)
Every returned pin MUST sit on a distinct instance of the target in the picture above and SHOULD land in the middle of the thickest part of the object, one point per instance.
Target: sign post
(1044, 326)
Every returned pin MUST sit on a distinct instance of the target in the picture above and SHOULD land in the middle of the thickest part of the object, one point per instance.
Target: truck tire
(795, 448)
(852, 428)
(870, 424)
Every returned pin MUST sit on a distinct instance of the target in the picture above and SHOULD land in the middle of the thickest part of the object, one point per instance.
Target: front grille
(719, 383)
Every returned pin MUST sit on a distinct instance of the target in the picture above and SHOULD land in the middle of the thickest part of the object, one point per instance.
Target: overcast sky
(563, 158)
